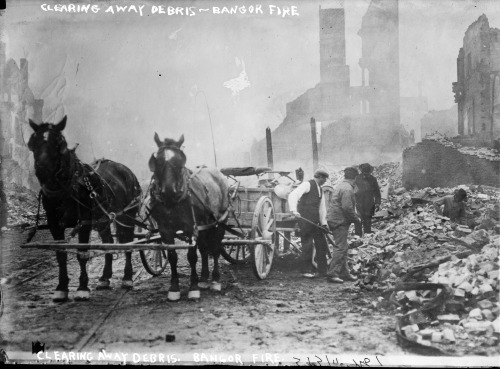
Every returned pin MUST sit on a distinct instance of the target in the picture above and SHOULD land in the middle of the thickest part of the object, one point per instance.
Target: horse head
(49, 148)
(169, 170)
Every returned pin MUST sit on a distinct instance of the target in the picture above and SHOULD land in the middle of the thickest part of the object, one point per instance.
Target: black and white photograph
(237, 182)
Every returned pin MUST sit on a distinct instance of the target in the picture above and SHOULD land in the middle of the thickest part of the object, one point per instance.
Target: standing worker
(307, 203)
(367, 194)
(341, 213)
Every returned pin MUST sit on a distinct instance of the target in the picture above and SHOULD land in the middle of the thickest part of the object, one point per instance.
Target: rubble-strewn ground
(449, 273)
(22, 207)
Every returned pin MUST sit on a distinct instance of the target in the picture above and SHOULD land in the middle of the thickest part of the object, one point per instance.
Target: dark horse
(188, 205)
(77, 195)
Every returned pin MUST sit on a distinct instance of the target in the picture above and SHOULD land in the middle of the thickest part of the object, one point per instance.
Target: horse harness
(97, 188)
(187, 193)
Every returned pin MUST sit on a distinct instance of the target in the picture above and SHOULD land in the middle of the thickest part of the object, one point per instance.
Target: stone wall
(434, 164)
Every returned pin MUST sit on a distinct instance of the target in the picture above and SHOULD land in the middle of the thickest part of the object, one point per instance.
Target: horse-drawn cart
(261, 216)
(259, 226)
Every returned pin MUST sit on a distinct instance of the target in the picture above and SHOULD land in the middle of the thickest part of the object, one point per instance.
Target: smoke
(122, 77)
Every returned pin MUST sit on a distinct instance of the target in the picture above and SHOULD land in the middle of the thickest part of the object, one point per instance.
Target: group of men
(354, 200)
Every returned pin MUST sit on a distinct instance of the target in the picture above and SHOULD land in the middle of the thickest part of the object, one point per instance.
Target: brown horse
(189, 205)
(75, 194)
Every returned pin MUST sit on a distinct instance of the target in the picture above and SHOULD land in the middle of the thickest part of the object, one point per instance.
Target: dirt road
(284, 314)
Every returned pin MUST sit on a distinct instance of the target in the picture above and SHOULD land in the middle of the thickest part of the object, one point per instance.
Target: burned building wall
(433, 164)
(442, 121)
(373, 108)
(328, 100)
(478, 81)
(380, 60)
(413, 109)
(17, 104)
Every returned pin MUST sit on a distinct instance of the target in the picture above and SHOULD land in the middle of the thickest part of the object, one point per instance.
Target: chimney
(38, 108)
(24, 71)
(2, 68)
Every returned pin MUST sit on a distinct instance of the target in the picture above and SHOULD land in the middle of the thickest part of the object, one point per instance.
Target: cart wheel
(236, 254)
(263, 228)
(154, 261)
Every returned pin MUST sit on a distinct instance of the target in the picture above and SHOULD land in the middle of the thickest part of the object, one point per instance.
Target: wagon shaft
(246, 242)
(104, 246)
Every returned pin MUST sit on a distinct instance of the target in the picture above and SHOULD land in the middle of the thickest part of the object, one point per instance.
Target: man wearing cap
(341, 212)
(367, 194)
(307, 203)
(454, 206)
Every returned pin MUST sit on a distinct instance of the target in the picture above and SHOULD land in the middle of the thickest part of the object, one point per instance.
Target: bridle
(62, 178)
(182, 183)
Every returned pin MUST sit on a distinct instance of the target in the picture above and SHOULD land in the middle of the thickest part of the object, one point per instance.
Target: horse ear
(33, 125)
(152, 163)
(157, 140)
(180, 142)
(61, 125)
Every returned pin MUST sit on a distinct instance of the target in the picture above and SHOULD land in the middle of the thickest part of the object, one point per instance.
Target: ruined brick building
(470, 157)
(356, 122)
(477, 90)
(17, 104)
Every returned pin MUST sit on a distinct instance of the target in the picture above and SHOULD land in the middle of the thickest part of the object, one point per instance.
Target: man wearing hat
(307, 203)
(367, 194)
(341, 212)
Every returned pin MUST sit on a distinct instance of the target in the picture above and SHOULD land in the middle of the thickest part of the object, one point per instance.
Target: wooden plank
(246, 242)
(104, 246)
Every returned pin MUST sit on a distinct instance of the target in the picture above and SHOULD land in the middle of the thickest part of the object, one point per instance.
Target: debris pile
(419, 238)
(467, 313)
(22, 204)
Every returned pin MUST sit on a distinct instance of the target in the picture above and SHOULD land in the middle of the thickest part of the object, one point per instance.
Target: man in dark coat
(308, 202)
(367, 194)
(341, 212)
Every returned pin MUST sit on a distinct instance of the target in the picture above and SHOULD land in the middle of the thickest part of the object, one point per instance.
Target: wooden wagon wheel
(236, 254)
(263, 228)
(154, 261)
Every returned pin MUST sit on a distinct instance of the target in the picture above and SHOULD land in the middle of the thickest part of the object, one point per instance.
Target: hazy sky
(121, 77)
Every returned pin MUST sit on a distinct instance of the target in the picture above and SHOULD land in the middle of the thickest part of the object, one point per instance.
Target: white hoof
(127, 284)
(82, 295)
(194, 295)
(216, 286)
(59, 296)
(103, 285)
(203, 285)
(174, 296)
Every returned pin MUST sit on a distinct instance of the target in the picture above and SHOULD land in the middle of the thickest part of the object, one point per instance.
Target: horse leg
(107, 271)
(174, 293)
(62, 290)
(83, 255)
(205, 273)
(216, 240)
(125, 235)
(194, 290)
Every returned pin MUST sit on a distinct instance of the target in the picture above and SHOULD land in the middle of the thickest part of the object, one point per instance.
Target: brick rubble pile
(22, 205)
